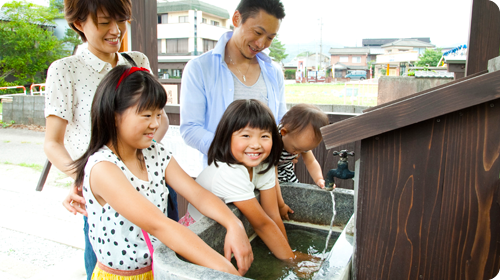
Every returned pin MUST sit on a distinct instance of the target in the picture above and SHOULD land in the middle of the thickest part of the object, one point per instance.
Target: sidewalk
(39, 239)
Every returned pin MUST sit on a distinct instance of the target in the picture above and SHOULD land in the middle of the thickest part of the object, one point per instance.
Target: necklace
(244, 78)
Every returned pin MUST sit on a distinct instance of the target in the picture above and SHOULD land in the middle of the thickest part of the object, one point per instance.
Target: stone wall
(24, 109)
(29, 109)
(391, 88)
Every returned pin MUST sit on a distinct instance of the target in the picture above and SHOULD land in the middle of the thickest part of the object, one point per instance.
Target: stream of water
(331, 226)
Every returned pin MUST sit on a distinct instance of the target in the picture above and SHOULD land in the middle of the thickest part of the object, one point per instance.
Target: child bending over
(124, 176)
(300, 132)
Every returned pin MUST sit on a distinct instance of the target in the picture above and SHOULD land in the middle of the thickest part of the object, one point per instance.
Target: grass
(331, 94)
(37, 167)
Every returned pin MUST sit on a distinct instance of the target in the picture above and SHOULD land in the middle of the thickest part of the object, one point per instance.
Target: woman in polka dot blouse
(71, 84)
(123, 173)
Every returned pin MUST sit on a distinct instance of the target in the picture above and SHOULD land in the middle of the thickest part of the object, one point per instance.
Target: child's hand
(284, 210)
(237, 243)
(306, 265)
(321, 183)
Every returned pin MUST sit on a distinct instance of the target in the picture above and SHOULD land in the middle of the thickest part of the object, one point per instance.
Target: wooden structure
(428, 190)
(143, 31)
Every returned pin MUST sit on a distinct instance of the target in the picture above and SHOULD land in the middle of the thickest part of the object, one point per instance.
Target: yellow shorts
(102, 272)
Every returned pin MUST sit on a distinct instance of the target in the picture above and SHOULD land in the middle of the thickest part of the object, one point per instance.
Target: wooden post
(484, 39)
(143, 31)
(124, 46)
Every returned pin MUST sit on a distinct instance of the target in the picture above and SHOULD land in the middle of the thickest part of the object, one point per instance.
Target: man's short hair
(249, 8)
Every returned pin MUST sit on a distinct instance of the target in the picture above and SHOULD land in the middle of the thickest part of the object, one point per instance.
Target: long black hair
(238, 115)
(139, 88)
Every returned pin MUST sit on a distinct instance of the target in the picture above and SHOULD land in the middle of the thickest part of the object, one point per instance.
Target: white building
(187, 29)
(182, 25)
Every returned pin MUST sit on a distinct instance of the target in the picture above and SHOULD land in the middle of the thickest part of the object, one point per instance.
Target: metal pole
(195, 32)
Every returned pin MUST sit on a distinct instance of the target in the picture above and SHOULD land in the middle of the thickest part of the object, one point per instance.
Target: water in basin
(303, 239)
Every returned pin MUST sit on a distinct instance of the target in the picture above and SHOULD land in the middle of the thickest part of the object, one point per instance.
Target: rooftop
(186, 5)
(383, 41)
(408, 43)
(358, 50)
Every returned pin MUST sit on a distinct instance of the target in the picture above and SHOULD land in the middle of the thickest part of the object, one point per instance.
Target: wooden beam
(484, 39)
(143, 33)
(435, 103)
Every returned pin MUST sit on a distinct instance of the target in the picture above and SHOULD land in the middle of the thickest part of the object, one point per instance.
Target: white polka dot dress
(118, 243)
(70, 88)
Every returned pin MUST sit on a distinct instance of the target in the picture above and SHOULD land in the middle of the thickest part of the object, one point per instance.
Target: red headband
(128, 72)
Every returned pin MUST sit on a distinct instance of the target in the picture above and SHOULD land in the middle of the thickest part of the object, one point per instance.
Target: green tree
(59, 5)
(305, 54)
(430, 57)
(71, 38)
(28, 46)
(277, 50)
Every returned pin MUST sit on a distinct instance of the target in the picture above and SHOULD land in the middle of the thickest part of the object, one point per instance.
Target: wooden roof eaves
(414, 109)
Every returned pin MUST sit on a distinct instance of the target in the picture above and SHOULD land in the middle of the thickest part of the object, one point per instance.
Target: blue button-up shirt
(208, 89)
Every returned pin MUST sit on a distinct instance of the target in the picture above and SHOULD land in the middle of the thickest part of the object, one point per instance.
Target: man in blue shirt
(235, 69)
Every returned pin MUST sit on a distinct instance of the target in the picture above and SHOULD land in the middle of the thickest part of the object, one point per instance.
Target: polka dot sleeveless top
(117, 242)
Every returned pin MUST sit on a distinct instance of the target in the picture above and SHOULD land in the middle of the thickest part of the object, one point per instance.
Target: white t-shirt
(232, 183)
(117, 242)
(70, 88)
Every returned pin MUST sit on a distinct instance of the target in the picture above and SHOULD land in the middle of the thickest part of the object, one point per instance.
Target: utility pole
(321, 40)
(320, 44)
(195, 32)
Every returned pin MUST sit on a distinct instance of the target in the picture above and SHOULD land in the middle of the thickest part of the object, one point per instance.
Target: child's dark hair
(302, 115)
(249, 8)
(139, 88)
(79, 10)
(238, 115)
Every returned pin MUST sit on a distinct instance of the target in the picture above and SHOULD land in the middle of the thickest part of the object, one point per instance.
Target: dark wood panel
(426, 199)
(326, 159)
(458, 96)
(174, 119)
(484, 40)
(144, 30)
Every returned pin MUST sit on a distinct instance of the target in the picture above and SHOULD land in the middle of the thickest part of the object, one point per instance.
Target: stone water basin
(313, 211)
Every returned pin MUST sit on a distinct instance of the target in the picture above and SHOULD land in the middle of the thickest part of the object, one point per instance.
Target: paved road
(39, 239)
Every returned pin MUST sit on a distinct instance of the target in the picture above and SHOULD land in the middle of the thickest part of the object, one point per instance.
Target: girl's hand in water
(237, 243)
(305, 265)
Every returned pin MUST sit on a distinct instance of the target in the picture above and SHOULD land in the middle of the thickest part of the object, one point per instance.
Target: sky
(346, 22)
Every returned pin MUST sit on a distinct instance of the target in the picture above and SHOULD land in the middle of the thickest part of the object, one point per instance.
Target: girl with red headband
(71, 84)
(123, 172)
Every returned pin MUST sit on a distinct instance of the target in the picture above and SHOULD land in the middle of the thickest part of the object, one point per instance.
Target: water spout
(342, 171)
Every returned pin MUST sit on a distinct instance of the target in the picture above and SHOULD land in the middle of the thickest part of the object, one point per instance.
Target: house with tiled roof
(399, 55)
(344, 60)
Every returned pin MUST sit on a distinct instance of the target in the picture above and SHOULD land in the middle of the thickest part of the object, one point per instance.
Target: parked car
(355, 75)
